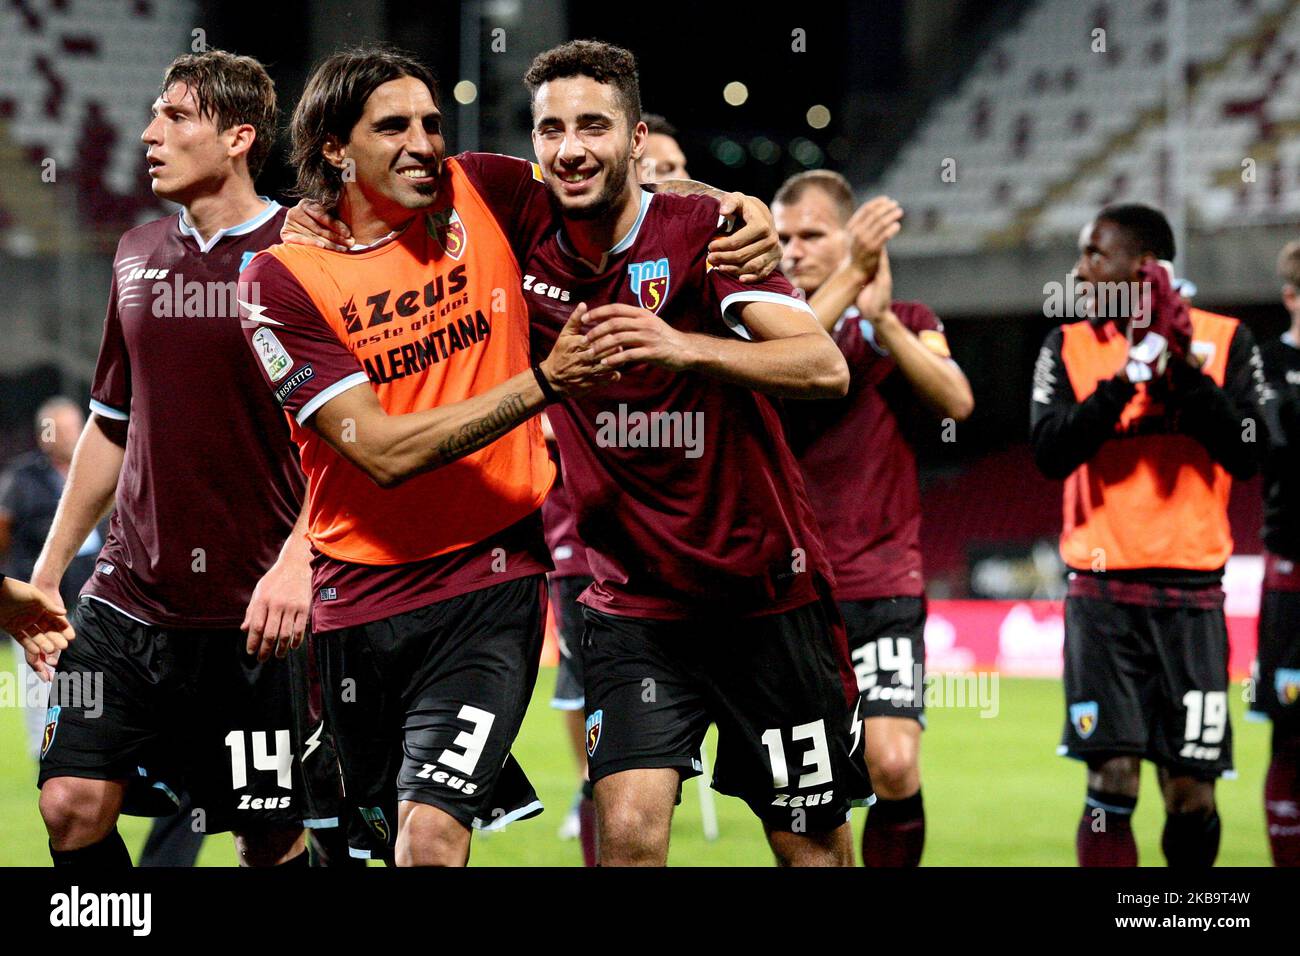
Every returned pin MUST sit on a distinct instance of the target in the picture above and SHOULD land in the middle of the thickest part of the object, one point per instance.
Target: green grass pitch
(995, 795)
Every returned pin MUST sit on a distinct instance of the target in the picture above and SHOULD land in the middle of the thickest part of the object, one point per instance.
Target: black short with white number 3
(173, 709)
(887, 647)
(778, 686)
(1149, 682)
(425, 706)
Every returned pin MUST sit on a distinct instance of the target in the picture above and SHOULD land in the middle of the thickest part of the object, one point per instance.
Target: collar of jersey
(623, 245)
(272, 207)
(383, 241)
(1289, 339)
(850, 313)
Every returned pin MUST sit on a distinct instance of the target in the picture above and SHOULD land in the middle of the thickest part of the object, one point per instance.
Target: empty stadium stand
(1068, 110)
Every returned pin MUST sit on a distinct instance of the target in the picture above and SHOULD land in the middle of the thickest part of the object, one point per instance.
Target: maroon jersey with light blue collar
(686, 494)
(859, 464)
(210, 485)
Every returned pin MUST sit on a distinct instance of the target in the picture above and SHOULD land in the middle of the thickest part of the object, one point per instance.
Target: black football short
(173, 709)
(425, 706)
(887, 647)
(323, 802)
(1277, 661)
(1149, 682)
(568, 619)
(778, 687)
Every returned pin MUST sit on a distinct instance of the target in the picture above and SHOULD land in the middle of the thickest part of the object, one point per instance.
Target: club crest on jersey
(593, 732)
(51, 725)
(446, 226)
(1084, 717)
(378, 823)
(1286, 681)
(649, 281)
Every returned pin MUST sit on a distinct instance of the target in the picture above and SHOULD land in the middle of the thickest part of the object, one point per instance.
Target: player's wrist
(548, 384)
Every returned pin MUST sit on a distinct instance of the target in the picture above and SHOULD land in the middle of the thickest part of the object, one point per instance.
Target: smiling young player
(711, 595)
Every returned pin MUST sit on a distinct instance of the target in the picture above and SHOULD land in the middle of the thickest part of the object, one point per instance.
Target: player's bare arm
(393, 448)
(87, 498)
(791, 355)
(870, 227)
(310, 224)
(36, 620)
(277, 615)
(937, 380)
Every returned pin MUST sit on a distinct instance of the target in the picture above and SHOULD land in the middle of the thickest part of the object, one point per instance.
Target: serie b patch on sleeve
(275, 358)
(935, 341)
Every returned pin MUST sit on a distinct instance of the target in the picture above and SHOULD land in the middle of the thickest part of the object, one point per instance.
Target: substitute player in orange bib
(1148, 411)
(404, 364)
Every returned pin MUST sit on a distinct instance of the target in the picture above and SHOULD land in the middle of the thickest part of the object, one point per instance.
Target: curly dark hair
(231, 90)
(332, 103)
(603, 62)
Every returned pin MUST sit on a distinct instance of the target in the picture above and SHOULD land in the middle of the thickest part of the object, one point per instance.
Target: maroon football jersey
(561, 523)
(210, 485)
(858, 461)
(687, 496)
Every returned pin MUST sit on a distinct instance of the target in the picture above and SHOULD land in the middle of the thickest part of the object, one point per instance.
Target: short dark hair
(603, 62)
(1288, 263)
(656, 124)
(828, 181)
(1146, 227)
(231, 90)
(332, 103)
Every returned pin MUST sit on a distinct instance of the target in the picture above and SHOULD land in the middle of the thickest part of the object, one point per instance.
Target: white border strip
(501, 822)
(138, 620)
(242, 229)
(320, 398)
(758, 295)
(99, 408)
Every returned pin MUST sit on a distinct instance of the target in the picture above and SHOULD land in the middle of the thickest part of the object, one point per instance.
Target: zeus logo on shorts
(431, 772)
(811, 800)
(249, 802)
(593, 732)
(1083, 716)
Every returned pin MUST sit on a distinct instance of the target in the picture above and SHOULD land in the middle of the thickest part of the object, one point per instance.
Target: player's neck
(592, 238)
(235, 201)
(1295, 327)
(368, 222)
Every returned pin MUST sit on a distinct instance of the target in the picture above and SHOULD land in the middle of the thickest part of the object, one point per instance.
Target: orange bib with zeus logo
(1151, 497)
(434, 316)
